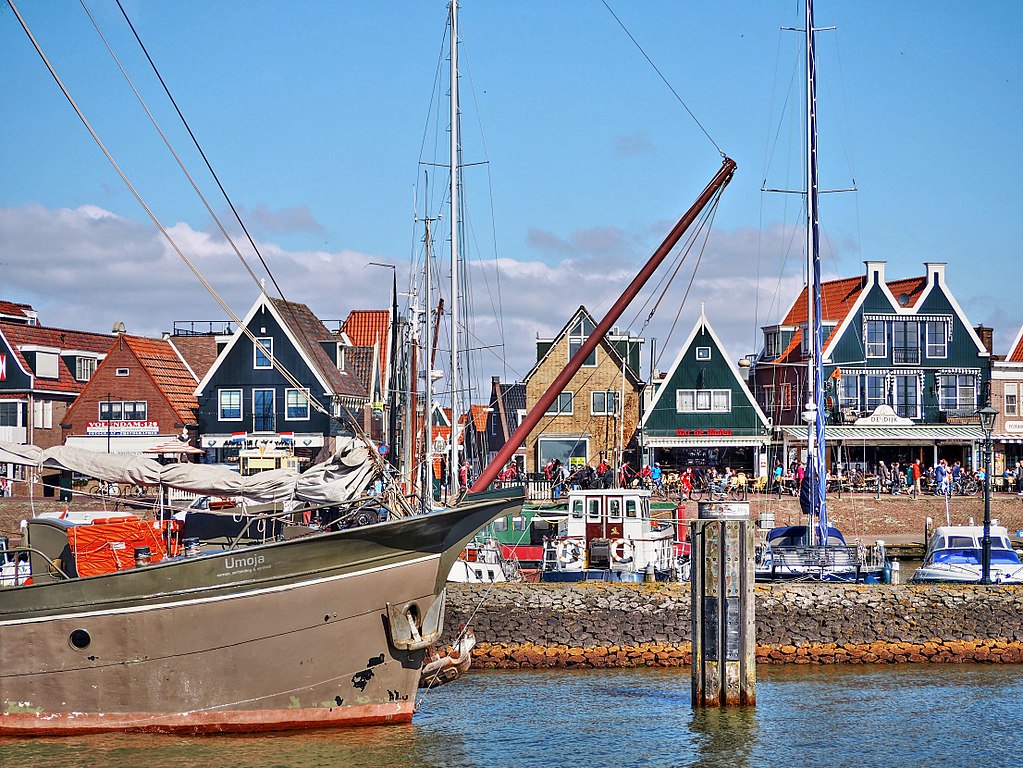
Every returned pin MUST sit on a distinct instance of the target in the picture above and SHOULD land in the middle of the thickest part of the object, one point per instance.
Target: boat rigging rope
(663, 78)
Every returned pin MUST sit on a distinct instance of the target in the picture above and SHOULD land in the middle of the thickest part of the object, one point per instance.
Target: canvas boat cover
(341, 478)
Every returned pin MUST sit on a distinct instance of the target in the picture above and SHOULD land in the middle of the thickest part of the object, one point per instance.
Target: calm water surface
(836, 716)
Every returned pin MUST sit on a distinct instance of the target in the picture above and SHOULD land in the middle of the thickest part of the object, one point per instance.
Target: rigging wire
(663, 78)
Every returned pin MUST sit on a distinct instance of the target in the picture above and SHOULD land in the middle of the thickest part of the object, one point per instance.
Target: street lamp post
(987, 416)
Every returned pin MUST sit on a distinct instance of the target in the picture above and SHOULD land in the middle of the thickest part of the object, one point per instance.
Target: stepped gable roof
(838, 297)
(366, 327)
(1016, 350)
(19, 335)
(170, 374)
(12, 310)
(308, 332)
(359, 363)
(199, 352)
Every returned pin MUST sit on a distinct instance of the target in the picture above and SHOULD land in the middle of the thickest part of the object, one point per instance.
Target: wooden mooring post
(723, 626)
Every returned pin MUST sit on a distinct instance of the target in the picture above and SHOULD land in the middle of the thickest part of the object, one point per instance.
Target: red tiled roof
(200, 352)
(837, 299)
(14, 309)
(1016, 353)
(170, 374)
(366, 327)
(359, 363)
(63, 339)
(479, 417)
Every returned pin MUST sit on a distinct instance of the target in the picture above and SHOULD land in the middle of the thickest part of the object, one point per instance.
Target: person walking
(884, 477)
(916, 479)
(1019, 478)
(779, 471)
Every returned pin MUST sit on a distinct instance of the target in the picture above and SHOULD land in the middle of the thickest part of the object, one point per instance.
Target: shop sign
(1014, 427)
(122, 428)
(884, 416)
(703, 432)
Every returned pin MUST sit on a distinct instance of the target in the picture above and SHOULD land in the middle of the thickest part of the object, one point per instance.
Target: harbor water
(906, 715)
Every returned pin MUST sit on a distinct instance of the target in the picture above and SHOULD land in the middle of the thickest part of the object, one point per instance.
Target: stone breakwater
(622, 625)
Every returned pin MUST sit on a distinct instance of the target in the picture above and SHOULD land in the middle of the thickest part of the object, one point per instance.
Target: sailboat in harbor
(273, 626)
(816, 550)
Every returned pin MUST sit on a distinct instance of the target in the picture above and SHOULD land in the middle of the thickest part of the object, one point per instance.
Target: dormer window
(772, 344)
(85, 367)
(47, 366)
(340, 357)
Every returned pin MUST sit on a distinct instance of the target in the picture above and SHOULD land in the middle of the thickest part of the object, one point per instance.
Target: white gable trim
(704, 324)
(1015, 344)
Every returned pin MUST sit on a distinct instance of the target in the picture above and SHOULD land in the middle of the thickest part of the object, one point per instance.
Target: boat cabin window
(577, 508)
(614, 509)
(1000, 543)
(518, 523)
(959, 542)
(594, 509)
(630, 508)
(501, 524)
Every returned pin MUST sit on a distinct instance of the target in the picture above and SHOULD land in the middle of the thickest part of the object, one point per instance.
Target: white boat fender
(569, 552)
(619, 548)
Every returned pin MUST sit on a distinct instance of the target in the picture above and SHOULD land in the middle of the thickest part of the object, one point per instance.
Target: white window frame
(85, 367)
(557, 407)
(608, 395)
(47, 365)
(869, 404)
(932, 344)
(962, 400)
(772, 344)
(42, 414)
(844, 400)
(1011, 391)
(703, 353)
(576, 338)
(897, 390)
(304, 398)
(268, 342)
(220, 405)
(122, 372)
(703, 400)
(871, 348)
(770, 392)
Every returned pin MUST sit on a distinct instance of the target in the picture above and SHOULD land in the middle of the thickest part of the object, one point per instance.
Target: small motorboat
(955, 553)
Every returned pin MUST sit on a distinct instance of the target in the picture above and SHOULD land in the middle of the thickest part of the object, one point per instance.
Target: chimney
(875, 272)
(986, 337)
(935, 271)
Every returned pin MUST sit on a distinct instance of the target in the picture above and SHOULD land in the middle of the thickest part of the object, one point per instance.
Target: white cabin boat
(609, 535)
(955, 553)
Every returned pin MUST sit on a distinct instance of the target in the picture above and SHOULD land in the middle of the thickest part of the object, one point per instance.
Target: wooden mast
(721, 178)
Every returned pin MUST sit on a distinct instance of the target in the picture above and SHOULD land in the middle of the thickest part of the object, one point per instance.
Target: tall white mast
(427, 470)
(455, 140)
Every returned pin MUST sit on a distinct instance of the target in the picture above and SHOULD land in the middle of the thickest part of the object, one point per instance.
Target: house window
(47, 365)
(263, 410)
(772, 344)
(603, 403)
(703, 353)
(42, 414)
(135, 410)
(957, 392)
(84, 368)
(877, 338)
(703, 400)
(937, 341)
(577, 336)
(10, 414)
(849, 392)
(121, 372)
(906, 342)
(907, 396)
(562, 405)
(230, 405)
(873, 392)
(1012, 399)
(296, 404)
(261, 359)
(111, 410)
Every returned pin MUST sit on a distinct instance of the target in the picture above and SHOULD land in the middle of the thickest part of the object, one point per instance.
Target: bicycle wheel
(970, 488)
(696, 494)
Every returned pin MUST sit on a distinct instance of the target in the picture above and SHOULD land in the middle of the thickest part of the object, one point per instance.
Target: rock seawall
(600, 625)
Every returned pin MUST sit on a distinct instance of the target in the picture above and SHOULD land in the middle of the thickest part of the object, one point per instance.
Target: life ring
(618, 549)
(569, 552)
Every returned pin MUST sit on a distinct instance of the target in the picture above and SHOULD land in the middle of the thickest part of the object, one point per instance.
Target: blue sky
(315, 115)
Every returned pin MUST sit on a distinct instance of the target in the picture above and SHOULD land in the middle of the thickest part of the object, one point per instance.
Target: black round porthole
(80, 639)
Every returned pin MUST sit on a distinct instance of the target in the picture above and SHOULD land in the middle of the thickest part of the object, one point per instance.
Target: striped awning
(712, 441)
(893, 435)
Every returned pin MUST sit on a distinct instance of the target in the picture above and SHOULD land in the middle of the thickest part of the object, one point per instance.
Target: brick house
(589, 420)
(142, 394)
(1006, 394)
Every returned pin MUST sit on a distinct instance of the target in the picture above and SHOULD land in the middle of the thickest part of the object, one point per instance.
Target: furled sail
(341, 478)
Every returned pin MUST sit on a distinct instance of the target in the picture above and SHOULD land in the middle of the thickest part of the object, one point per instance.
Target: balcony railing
(906, 355)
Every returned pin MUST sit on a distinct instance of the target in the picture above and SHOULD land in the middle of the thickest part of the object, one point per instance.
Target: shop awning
(713, 441)
(892, 435)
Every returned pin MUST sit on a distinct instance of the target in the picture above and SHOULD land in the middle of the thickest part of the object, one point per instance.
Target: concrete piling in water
(723, 629)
